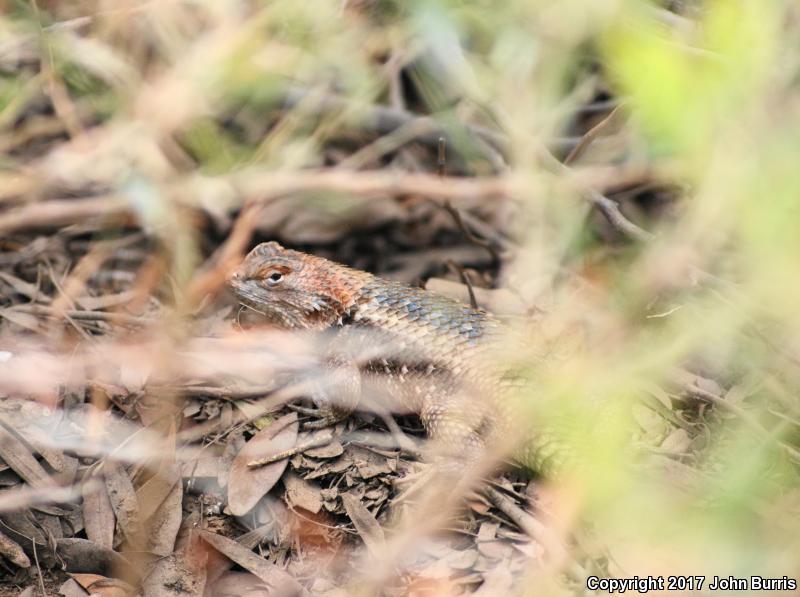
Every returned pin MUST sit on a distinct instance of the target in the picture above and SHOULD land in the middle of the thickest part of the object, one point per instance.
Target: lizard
(436, 356)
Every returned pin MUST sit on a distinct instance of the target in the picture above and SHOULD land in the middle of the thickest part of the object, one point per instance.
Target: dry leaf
(23, 320)
(247, 485)
(463, 560)
(152, 494)
(123, 500)
(39, 440)
(180, 575)
(33, 292)
(20, 527)
(98, 515)
(496, 550)
(497, 581)
(677, 442)
(330, 450)
(92, 303)
(71, 588)
(338, 465)
(163, 526)
(84, 556)
(302, 494)
(239, 584)
(17, 455)
(365, 523)
(369, 464)
(102, 585)
(11, 550)
(205, 467)
(277, 579)
(487, 531)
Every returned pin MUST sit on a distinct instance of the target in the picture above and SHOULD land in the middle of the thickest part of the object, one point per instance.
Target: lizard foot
(321, 417)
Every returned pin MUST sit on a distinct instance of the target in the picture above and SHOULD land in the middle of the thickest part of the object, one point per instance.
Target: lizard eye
(274, 278)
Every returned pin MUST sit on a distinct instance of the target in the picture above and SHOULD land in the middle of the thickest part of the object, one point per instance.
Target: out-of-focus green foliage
(686, 84)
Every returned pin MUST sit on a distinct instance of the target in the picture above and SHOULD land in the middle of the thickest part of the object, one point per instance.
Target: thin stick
(603, 204)
(590, 136)
(441, 156)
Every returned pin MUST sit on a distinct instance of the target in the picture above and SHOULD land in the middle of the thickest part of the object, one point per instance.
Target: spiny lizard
(433, 355)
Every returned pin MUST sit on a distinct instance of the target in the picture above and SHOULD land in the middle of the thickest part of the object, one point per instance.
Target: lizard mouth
(243, 290)
(250, 296)
(279, 311)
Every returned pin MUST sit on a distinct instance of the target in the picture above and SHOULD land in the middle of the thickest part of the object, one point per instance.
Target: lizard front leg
(336, 392)
(336, 381)
(458, 426)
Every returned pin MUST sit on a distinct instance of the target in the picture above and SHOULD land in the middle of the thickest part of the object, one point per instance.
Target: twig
(262, 187)
(383, 119)
(615, 217)
(590, 136)
(314, 442)
(386, 144)
(57, 90)
(120, 318)
(462, 273)
(38, 567)
(693, 390)
(265, 405)
(259, 186)
(25, 496)
(603, 204)
(213, 273)
(471, 236)
(219, 392)
(62, 212)
(441, 157)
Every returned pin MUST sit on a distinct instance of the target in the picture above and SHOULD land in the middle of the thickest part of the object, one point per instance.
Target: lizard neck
(340, 288)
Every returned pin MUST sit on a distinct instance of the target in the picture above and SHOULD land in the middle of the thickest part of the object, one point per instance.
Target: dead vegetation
(545, 162)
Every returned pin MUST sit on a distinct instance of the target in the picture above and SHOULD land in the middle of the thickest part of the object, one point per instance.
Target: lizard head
(293, 289)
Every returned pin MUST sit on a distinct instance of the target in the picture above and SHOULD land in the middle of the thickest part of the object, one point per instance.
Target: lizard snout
(235, 277)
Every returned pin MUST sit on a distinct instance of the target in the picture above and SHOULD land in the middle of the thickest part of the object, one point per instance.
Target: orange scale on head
(266, 270)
